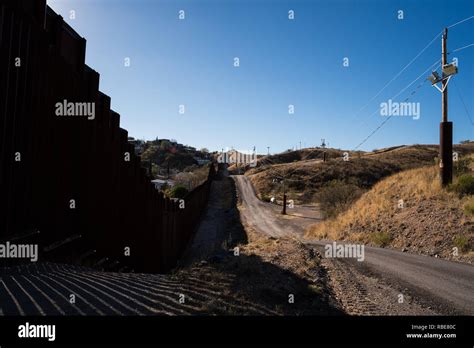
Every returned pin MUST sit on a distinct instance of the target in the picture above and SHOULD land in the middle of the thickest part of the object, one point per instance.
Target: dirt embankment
(408, 211)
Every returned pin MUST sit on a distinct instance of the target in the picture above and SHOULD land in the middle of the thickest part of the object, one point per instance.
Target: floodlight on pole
(434, 78)
(448, 71)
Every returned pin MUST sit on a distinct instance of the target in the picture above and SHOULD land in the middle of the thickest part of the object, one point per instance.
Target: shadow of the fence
(253, 284)
(250, 285)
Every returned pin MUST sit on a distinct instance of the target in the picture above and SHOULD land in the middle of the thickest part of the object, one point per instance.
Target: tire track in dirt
(429, 286)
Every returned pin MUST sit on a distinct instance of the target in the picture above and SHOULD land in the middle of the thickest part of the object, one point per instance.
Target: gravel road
(428, 285)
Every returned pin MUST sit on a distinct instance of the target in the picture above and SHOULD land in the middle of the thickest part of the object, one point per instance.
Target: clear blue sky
(282, 62)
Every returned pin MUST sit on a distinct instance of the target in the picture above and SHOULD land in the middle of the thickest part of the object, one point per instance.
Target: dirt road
(386, 282)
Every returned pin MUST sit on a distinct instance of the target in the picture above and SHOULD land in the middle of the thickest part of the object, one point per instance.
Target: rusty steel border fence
(64, 181)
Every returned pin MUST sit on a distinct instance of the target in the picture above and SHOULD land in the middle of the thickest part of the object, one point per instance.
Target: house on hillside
(201, 161)
(190, 148)
(159, 183)
(138, 145)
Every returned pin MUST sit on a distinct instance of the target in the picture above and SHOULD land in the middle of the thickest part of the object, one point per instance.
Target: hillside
(314, 181)
(291, 156)
(167, 154)
(430, 220)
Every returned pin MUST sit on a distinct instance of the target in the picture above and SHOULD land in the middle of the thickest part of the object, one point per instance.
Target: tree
(154, 169)
(165, 145)
(178, 191)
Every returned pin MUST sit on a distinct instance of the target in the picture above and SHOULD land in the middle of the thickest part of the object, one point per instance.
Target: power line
(389, 117)
(373, 132)
(434, 65)
(462, 101)
(461, 48)
(398, 74)
(461, 21)
(386, 120)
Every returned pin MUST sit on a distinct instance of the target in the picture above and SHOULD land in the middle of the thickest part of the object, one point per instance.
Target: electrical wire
(462, 101)
(461, 21)
(434, 65)
(398, 74)
(460, 48)
(400, 92)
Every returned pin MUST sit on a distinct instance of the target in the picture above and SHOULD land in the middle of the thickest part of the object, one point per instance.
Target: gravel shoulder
(374, 286)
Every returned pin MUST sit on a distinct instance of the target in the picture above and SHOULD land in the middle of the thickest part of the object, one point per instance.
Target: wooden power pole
(283, 211)
(445, 127)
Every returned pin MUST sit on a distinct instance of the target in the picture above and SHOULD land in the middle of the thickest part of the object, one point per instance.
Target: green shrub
(178, 191)
(462, 166)
(464, 185)
(380, 238)
(469, 207)
(265, 197)
(337, 196)
(462, 243)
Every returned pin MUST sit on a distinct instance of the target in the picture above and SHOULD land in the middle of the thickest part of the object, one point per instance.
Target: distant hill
(291, 156)
(310, 180)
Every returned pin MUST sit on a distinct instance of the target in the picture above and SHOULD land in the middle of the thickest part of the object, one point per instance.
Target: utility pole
(283, 211)
(323, 145)
(445, 127)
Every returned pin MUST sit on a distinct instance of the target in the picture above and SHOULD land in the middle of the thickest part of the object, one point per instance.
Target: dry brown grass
(304, 180)
(411, 186)
(430, 221)
(306, 175)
